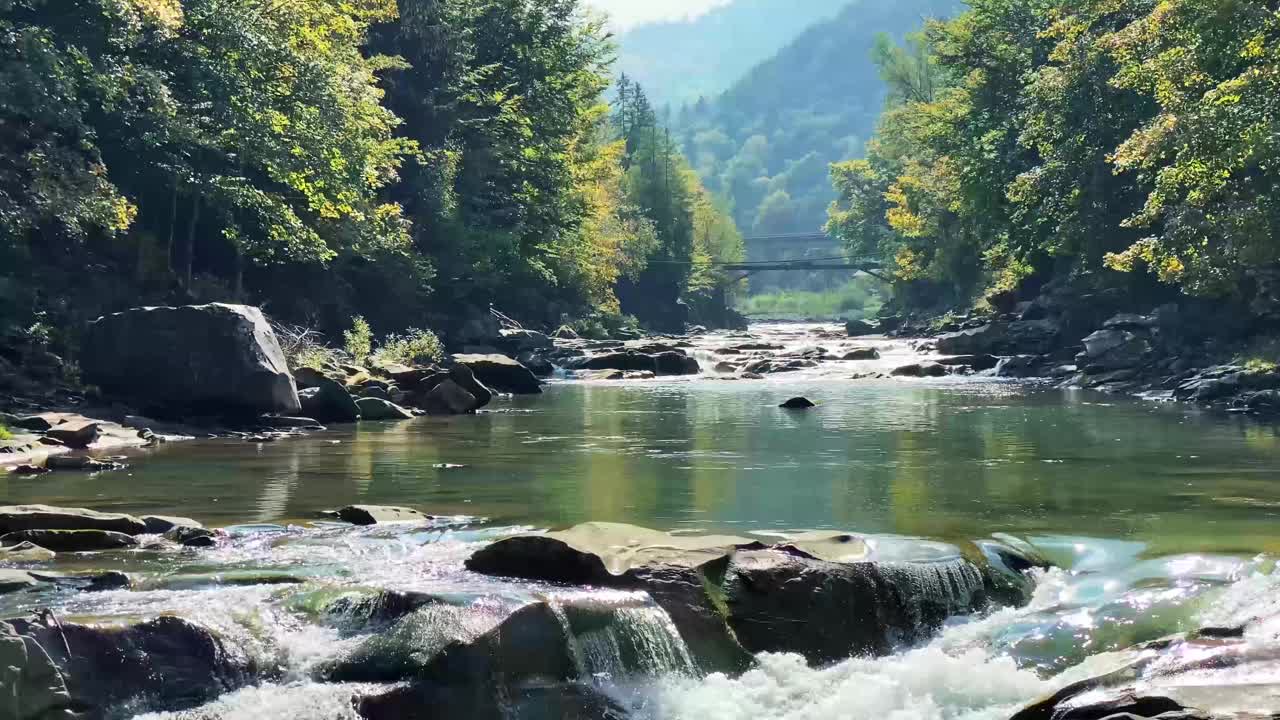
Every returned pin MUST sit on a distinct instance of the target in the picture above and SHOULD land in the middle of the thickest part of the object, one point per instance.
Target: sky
(626, 14)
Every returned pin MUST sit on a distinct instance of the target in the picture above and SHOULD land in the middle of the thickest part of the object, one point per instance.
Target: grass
(859, 298)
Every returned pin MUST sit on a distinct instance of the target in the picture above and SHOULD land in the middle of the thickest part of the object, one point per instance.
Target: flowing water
(1159, 518)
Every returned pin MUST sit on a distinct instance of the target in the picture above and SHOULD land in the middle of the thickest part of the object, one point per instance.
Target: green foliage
(5, 434)
(414, 347)
(605, 325)
(1123, 134)
(358, 341)
(858, 299)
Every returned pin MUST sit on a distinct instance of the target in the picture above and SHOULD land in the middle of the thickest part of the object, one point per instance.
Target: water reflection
(946, 459)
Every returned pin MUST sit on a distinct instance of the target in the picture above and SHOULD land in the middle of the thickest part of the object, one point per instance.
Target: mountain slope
(766, 143)
(679, 62)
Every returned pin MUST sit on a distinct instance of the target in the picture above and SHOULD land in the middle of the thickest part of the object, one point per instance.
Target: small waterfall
(614, 635)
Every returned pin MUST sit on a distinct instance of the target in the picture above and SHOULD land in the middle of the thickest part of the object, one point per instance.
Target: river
(1160, 519)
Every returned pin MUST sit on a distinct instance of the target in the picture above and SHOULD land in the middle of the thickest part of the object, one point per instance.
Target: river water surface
(1160, 518)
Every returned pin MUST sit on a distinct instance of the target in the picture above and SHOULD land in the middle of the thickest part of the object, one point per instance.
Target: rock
(81, 463)
(278, 422)
(566, 333)
(827, 596)
(35, 423)
(466, 379)
(861, 328)
(501, 373)
(890, 323)
(725, 368)
(191, 536)
(328, 401)
(976, 362)
(861, 354)
(798, 403)
(448, 398)
(985, 340)
(1032, 337)
(675, 363)
(166, 663)
(372, 408)
(76, 435)
(20, 580)
(518, 341)
(751, 376)
(921, 370)
(71, 540)
(629, 360)
(380, 514)
(161, 524)
(1020, 366)
(34, 689)
(563, 701)
(220, 359)
(25, 552)
(373, 391)
(537, 363)
(1114, 350)
(15, 518)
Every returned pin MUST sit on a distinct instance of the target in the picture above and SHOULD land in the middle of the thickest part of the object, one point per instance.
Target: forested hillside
(681, 62)
(765, 145)
(1033, 140)
(403, 161)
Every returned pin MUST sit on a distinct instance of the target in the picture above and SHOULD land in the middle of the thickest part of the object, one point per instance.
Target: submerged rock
(208, 358)
(166, 663)
(71, 540)
(25, 552)
(862, 354)
(161, 524)
(922, 370)
(380, 514)
(14, 518)
(798, 403)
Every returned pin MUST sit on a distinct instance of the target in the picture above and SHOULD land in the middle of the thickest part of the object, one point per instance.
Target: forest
(409, 162)
(1028, 140)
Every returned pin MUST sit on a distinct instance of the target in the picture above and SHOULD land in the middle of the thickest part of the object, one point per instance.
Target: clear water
(1159, 516)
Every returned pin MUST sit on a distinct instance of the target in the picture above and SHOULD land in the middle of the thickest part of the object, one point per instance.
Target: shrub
(359, 340)
(414, 347)
(305, 348)
(4, 433)
(604, 325)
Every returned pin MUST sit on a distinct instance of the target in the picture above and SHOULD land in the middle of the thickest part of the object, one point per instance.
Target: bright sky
(627, 14)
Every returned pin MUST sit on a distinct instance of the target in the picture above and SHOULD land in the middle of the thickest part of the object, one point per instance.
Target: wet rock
(921, 370)
(35, 423)
(19, 580)
(34, 689)
(798, 403)
(501, 373)
(189, 536)
(518, 341)
(14, 518)
(725, 368)
(751, 376)
(861, 328)
(1020, 366)
(372, 408)
(25, 552)
(217, 358)
(827, 596)
(380, 514)
(537, 363)
(862, 354)
(565, 701)
(976, 362)
(328, 401)
(1032, 337)
(466, 379)
(448, 398)
(71, 540)
(166, 663)
(82, 463)
(566, 333)
(987, 339)
(675, 363)
(1114, 349)
(278, 422)
(629, 360)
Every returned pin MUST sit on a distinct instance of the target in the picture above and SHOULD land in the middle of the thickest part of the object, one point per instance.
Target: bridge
(799, 252)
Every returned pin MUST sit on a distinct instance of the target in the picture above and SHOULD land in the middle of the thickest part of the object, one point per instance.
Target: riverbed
(1160, 518)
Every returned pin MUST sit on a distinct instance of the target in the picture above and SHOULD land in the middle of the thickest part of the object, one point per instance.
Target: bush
(605, 325)
(4, 433)
(415, 347)
(305, 348)
(359, 340)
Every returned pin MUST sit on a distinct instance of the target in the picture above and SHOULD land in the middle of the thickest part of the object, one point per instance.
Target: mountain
(766, 143)
(679, 62)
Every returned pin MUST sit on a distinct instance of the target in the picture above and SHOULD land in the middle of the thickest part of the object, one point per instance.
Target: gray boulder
(1115, 349)
(987, 339)
(861, 328)
(977, 362)
(380, 515)
(501, 373)
(15, 518)
(328, 401)
(518, 341)
(466, 379)
(862, 354)
(921, 370)
(449, 398)
(673, 362)
(71, 540)
(215, 358)
(372, 408)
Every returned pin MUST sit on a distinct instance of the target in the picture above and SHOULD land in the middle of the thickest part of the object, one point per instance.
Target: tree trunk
(190, 251)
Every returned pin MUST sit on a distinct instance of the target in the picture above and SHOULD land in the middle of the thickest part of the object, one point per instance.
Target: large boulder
(449, 398)
(380, 515)
(827, 596)
(216, 358)
(1115, 349)
(673, 362)
(518, 341)
(466, 379)
(16, 518)
(71, 540)
(501, 373)
(328, 401)
(372, 408)
(861, 328)
(33, 688)
(627, 360)
(987, 339)
(166, 663)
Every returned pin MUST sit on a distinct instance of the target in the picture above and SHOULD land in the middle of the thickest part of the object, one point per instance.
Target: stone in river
(25, 552)
(675, 363)
(161, 524)
(449, 398)
(921, 370)
(328, 401)
(502, 373)
(860, 328)
(67, 670)
(862, 354)
(217, 358)
(46, 517)
(76, 435)
(71, 540)
(379, 514)
(798, 403)
(466, 379)
(372, 408)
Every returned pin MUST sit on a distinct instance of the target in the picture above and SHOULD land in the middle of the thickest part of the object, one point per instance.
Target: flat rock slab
(71, 540)
(380, 514)
(15, 518)
(161, 524)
